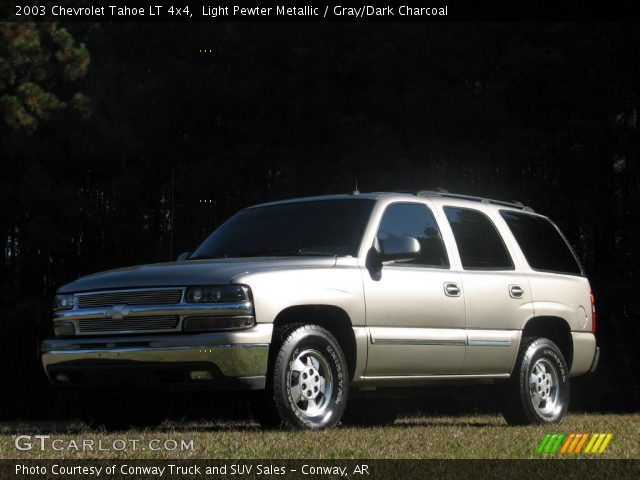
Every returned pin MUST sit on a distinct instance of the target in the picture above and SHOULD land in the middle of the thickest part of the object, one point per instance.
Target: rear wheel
(538, 392)
(309, 384)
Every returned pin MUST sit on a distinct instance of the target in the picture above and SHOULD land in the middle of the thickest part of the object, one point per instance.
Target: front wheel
(538, 392)
(310, 383)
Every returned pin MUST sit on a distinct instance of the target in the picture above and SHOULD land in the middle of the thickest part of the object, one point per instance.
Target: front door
(415, 310)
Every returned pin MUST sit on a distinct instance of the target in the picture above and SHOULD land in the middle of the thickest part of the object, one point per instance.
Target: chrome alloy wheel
(543, 388)
(310, 383)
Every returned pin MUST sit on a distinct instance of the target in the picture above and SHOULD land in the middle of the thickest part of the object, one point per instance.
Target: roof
(421, 193)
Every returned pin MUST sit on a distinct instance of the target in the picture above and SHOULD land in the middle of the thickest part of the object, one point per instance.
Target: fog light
(201, 375)
(64, 329)
(63, 378)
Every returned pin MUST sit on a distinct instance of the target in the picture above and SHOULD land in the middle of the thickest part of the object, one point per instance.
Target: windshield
(326, 227)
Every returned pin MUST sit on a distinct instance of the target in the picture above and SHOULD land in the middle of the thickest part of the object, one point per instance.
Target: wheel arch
(334, 319)
(556, 329)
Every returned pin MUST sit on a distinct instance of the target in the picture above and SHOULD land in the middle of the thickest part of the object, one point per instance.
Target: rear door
(497, 295)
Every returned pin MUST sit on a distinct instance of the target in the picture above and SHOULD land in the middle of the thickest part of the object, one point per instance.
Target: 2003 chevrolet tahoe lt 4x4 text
(313, 300)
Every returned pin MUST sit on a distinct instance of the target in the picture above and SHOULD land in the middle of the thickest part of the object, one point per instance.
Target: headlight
(64, 302)
(212, 323)
(217, 294)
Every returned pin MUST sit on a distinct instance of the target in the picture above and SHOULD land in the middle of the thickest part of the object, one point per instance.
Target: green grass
(484, 436)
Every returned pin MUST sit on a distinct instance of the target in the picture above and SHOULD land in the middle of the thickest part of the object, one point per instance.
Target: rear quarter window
(543, 245)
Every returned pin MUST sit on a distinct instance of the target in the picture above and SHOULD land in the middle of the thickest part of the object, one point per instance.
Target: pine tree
(37, 62)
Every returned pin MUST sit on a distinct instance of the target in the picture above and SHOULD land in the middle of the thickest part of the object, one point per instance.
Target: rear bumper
(585, 352)
(221, 360)
(596, 360)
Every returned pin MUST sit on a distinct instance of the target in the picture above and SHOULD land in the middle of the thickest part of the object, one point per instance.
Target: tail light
(593, 313)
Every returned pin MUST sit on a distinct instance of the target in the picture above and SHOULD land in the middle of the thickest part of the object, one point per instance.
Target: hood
(190, 272)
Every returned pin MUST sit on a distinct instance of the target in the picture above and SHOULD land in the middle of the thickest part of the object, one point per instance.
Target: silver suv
(314, 302)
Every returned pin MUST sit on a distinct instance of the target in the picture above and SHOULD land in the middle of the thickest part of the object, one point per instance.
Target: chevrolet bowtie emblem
(118, 312)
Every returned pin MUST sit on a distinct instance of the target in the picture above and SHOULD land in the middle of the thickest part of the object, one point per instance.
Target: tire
(309, 384)
(369, 412)
(538, 392)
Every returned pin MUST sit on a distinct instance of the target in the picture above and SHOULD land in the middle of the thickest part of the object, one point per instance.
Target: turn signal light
(64, 329)
(213, 323)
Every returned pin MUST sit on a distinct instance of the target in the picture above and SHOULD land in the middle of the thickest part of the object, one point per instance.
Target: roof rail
(443, 193)
(437, 191)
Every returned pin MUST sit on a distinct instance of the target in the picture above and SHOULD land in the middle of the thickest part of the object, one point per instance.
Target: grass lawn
(483, 436)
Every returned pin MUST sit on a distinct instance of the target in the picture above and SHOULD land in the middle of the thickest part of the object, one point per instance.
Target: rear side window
(541, 242)
(415, 220)
(479, 243)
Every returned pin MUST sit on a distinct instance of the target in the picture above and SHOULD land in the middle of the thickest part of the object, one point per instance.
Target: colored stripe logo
(574, 443)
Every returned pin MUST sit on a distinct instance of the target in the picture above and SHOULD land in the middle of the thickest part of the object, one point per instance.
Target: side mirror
(399, 249)
(183, 256)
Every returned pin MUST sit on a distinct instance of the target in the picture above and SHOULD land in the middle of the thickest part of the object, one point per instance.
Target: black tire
(308, 386)
(369, 412)
(538, 392)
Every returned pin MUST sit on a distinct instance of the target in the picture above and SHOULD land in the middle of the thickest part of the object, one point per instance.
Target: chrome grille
(128, 324)
(130, 297)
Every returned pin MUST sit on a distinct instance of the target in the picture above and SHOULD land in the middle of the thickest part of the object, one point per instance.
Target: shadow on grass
(213, 413)
(65, 428)
(428, 422)
(74, 426)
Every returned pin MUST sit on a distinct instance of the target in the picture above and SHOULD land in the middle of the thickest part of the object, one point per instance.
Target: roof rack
(439, 192)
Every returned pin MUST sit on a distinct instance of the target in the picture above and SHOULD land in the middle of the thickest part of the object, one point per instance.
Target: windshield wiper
(300, 252)
(313, 253)
(206, 257)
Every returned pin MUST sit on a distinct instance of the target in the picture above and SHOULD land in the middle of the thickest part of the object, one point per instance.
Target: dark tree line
(125, 144)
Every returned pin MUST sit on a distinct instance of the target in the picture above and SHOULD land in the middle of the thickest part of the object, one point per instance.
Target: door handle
(515, 291)
(452, 289)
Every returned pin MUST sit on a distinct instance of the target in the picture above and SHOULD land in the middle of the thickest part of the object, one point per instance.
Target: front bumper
(218, 360)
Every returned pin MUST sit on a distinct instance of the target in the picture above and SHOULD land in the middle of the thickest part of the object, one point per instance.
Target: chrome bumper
(238, 355)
